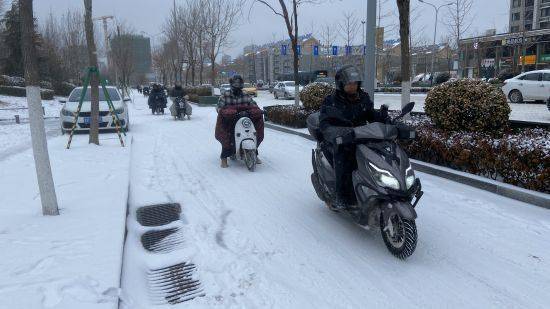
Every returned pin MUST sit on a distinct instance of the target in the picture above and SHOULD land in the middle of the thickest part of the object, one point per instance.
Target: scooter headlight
(247, 123)
(384, 178)
(410, 177)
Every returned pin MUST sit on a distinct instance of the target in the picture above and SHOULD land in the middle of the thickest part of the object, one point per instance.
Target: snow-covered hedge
(468, 105)
(46, 94)
(63, 89)
(288, 115)
(398, 89)
(13, 81)
(313, 95)
(520, 158)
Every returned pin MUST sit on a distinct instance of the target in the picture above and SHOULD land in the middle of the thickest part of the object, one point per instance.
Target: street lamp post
(370, 41)
(436, 8)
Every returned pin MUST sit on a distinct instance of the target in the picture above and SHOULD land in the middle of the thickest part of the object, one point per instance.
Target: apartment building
(526, 15)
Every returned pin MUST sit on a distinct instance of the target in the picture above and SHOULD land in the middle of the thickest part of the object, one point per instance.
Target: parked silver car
(105, 119)
(285, 90)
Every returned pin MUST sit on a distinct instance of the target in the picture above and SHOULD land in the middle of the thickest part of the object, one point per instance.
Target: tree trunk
(94, 81)
(46, 185)
(404, 27)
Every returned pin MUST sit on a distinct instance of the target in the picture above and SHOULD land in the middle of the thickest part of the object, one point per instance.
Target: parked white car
(530, 86)
(224, 88)
(285, 90)
(105, 119)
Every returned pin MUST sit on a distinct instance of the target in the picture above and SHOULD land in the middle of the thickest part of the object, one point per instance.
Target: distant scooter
(180, 109)
(385, 188)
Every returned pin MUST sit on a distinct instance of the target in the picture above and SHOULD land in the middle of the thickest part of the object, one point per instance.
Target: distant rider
(179, 93)
(230, 103)
(157, 98)
(347, 108)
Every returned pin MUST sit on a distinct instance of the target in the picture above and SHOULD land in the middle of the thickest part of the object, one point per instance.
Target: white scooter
(245, 140)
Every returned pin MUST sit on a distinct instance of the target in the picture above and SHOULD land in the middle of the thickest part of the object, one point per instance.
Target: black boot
(338, 204)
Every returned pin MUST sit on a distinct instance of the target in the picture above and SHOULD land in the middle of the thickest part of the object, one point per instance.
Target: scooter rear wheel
(400, 236)
(250, 159)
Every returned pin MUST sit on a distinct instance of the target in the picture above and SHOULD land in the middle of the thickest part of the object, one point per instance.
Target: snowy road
(264, 240)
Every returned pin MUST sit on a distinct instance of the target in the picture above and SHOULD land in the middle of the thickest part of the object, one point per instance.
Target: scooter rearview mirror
(407, 109)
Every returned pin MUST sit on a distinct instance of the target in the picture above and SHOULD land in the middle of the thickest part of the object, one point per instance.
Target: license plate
(87, 120)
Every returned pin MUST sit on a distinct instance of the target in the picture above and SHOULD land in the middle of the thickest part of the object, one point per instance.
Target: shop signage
(531, 59)
(544, 58)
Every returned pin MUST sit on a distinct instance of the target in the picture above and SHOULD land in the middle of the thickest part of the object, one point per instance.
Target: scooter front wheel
(250, 159)
(400, 235)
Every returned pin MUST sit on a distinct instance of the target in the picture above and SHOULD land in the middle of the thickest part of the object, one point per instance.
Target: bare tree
(220, 19)
(348, 27)
(94, 81)
(122, 55)
(459, 19)
(291, 22)
(404, 7)
(38, 133)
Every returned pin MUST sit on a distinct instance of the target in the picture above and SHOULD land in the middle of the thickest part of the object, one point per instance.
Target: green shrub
(46, 94)
(442, 78)
(468, 105)
(288, 115)
(63, 89)
(506, 74)
(314, 94)
(521, 159)
(199, 90)
(193, 97)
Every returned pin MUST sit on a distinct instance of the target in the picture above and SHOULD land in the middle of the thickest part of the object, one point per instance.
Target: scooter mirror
(407, 109)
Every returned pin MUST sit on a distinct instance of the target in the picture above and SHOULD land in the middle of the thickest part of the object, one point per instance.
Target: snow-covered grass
(51, 107)
(72, 260)
(264, 239)
(15, 138)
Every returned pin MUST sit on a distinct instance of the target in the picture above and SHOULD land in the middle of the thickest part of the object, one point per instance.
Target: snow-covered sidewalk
(72, 260)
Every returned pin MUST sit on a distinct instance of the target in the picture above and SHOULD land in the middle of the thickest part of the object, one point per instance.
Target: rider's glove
(346, 137)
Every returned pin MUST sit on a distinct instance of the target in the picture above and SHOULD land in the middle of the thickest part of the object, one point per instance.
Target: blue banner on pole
(348, 50)
(283, 50)
(299, 49)
(335, 50)
(315, 50)
(364, 50)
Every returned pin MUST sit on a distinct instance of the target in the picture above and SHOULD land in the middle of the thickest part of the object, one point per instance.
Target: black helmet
(346, 75)
(236, 82)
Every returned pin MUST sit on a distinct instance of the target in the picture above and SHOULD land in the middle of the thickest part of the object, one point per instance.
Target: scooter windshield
(376, 131)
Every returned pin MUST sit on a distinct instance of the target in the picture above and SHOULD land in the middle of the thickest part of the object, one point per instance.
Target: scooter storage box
(313, 126)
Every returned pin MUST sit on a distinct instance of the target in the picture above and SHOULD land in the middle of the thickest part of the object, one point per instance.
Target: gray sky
(261, 25)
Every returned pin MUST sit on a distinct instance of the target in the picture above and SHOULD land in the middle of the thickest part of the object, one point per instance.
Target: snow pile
(72, 260)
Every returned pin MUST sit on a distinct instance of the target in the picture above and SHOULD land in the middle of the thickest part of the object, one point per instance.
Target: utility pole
(46, 186)
(370, 52)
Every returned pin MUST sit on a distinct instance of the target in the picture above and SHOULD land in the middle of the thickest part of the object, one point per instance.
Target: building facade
(527, 15)
(487, 56)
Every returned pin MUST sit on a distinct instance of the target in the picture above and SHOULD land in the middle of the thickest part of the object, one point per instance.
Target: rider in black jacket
(347, 108)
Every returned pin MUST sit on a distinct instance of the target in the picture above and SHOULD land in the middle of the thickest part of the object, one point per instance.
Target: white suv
(105, 119)
(530, 86)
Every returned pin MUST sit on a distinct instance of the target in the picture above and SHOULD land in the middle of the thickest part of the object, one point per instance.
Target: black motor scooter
(385, 188)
